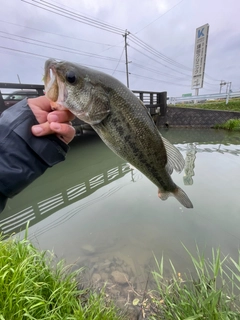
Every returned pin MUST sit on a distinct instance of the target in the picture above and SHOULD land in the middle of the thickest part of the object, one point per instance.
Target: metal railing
(204, 97)
(154, 101)
(148, 97)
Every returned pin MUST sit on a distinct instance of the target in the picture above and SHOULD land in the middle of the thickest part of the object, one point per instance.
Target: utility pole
(126, 55)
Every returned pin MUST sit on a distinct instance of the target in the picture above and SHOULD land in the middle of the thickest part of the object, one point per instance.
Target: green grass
(33, 286)
(233, 105)
(212, 293)
(231, 124)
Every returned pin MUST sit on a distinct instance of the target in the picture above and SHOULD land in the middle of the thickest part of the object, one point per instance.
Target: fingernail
(53, 118)
(37, 129)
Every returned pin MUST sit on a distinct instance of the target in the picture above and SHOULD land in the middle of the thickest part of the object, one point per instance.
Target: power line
(73, 9)
(156, 53)
(168, 60)
(157, 61)
(45, 5)
(118, 62)
(165, 65)
(91, 55)
(211, 78)
(43, 56)
(157, 80)
(57, 47)
(159, 17)
(97, 67)
(157, 71)
(74, 16)
(57, 34)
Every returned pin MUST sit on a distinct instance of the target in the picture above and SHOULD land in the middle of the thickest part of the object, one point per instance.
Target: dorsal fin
(175, 159)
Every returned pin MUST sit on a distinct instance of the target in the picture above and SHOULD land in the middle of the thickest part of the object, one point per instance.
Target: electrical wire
(156, 71)
(97, 67)
(74, 16)
(156, 53)
(57, 34)
(158, 80)
(189, 76)
(172, 76)
(56, 58)
(45, 44)
(88, 19)
(118, 61)
(157, 61)
(74, 9)
(159, 17)
(45, 5)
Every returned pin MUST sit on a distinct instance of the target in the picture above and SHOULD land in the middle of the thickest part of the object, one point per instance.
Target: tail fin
(179, 194)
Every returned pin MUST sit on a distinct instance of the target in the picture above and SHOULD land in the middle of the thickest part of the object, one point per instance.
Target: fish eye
(71, 77)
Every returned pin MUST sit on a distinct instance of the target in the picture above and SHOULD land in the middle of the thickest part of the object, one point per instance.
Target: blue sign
(200, 33)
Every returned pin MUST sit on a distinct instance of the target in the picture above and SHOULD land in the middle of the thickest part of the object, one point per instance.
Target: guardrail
(204, 97)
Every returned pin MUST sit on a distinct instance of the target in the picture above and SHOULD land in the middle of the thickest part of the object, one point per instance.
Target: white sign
(200, 52)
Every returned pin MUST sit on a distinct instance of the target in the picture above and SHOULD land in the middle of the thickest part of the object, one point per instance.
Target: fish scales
(119, 118)
(137, 139)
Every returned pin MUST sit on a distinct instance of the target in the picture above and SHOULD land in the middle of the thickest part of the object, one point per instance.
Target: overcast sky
(30, 33)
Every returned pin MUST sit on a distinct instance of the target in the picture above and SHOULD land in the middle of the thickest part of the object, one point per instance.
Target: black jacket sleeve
(24, 157)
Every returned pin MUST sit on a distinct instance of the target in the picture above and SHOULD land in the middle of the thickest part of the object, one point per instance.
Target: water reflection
(191, 150)
(189, 164)
(39, 210)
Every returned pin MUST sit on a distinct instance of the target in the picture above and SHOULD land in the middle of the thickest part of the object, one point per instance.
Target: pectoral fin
(175, 159)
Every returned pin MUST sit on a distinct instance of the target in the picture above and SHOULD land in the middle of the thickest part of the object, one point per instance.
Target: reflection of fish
(119, 118)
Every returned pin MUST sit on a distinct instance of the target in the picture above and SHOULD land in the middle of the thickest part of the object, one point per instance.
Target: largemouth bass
(119, 118)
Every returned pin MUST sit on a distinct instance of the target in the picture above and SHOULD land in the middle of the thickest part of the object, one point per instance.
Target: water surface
(94, 209)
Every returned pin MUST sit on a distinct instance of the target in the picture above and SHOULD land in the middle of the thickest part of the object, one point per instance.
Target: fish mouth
(55, 89)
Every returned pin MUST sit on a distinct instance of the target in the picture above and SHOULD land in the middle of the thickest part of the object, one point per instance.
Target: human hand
(51, 122)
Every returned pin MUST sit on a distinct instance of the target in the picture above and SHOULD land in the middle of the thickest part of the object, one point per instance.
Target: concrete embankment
(194, 118)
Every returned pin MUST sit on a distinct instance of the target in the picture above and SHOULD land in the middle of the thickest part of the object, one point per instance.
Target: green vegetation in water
(213, 293)
(33, 287)
(231, 124)
(233, 105)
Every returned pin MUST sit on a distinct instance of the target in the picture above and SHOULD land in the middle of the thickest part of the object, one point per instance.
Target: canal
(95, 211)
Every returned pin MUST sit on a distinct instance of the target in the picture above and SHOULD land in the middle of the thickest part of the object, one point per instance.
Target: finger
(64, 131)
(60, 116)
(42, 129)
(40, 107)
(41, 103)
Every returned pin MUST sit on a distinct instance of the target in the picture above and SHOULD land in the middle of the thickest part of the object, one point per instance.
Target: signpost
(199, 60)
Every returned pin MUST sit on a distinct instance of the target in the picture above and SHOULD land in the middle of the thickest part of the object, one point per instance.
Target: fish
(120, 119)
